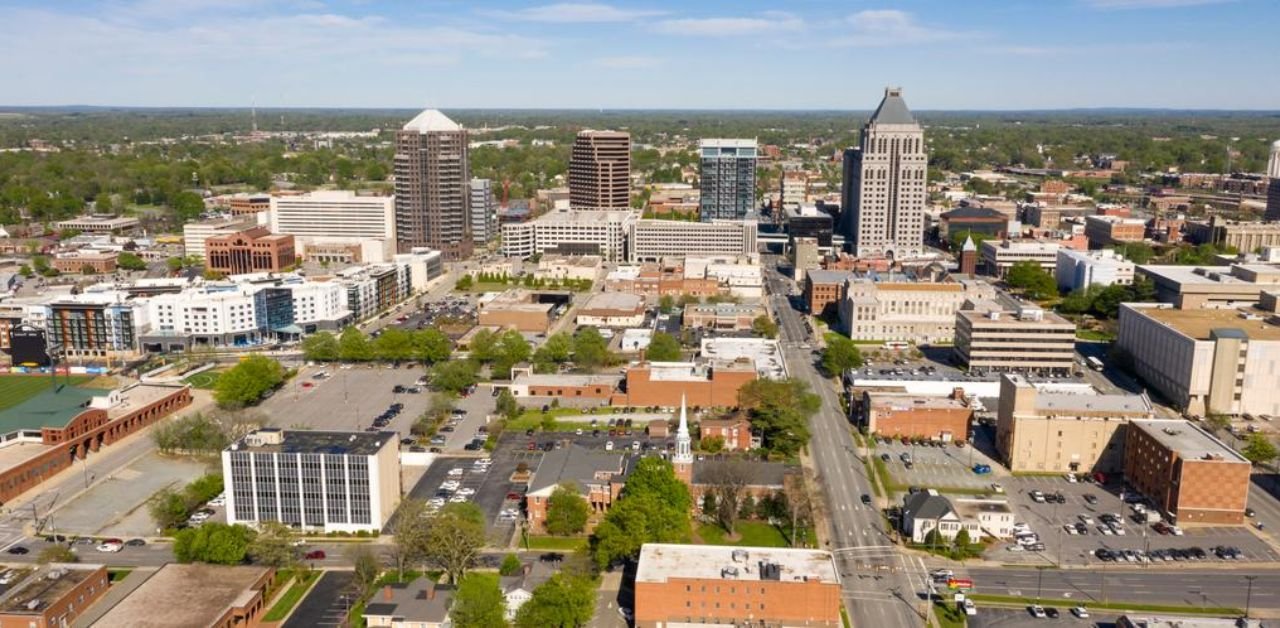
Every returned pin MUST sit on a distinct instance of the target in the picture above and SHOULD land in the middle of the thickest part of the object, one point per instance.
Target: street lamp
(1248, 596)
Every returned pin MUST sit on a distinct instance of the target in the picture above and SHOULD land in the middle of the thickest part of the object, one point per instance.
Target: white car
(436, 502)
(1080, 612)
(1105, 530)
(1118, 529)
(456, 499)
(451, 485)
(110, 547)
(1085, 519)
(997, 488)
(466, 491)
(1071, 477)
(1069, 529)
(969, 608)
(1175, 530)
(217, 502)
(455, 472)
(1016, 548)
(608, 446)
(1037, 611)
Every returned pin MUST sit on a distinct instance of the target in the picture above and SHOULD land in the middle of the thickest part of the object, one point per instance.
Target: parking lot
(944, 465)
(1048, 521)
(1022, 618)
(326, 604)
(347, 399)
(116, 505)
(487, 486)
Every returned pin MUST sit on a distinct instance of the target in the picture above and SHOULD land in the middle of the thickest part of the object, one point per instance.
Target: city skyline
(349, 53)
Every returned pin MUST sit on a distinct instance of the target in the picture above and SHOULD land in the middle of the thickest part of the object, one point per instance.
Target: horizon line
(1117, 108)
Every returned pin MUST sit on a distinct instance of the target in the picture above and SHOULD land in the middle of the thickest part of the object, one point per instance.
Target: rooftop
(972, 508)
(828, 276)
(1200, 324)
(1188, 440)
(1057, 403)
(50, 408)
(660, 562)
(431, 120)
(892, 109)
(617, 301)
(756, 473)
(926, 504)
(585, 216)
(168, 598)
(45, 586)
(419, 601)
(764, 353)
(969, 212)
(564, 379)
(900, 402)
(315, 442)
(575, 463)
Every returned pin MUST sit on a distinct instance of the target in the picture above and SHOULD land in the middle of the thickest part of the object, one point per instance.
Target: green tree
(563, 601)
(274, 545)
(511, 565)
(41, 264)
(634, 521)
(512, 349)
(455, 375)
(246, 382)
(1136, 252)
(663, 347)
(507, 405)
(431, 346)
(320, 347)
(840, 355)
(216, 543)
(657, 477)
(410, 531)
(484, 346)
(1259, 449)
(187, 206)
(57, 554)
(567, 511)
(590, 349)
(455, 538)
(478, 603)
(168, 508)
(934, 539)
(130, 261)
(365, 567)
(963, 540)
(667, 304)
(354, 346)
(556, 350)
(88, 269)
(764, 327)
(1035, 282)
(779, 410)
(174, 264)
(464, 283)
(25, 271)
(393, 345)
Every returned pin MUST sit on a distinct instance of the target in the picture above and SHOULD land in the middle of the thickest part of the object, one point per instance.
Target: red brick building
(896, 415)
(822, 289)
(254, 250)
(54, 596)
(1190, 475)
(735, 432)
(702, 584)
(76, 263)
(598, 476)
(663, 384)
(74, 422)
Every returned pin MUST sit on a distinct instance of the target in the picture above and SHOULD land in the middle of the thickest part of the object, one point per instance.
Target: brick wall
(737, 601)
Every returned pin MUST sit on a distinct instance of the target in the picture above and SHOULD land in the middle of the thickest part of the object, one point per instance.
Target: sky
(649, 54)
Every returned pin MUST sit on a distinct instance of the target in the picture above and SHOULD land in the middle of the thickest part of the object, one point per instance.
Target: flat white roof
(660, 562)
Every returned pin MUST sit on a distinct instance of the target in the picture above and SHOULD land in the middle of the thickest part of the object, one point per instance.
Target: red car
(515, 497)
(315, 555)
(307, 384)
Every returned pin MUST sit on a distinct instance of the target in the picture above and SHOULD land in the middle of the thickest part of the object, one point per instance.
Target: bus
(1094, 363)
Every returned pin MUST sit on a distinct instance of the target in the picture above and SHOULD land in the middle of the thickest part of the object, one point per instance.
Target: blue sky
(799, 54)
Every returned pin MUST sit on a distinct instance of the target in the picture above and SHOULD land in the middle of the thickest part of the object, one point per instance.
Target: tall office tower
(600, 170)
(433, 186)
(728, 178)
(1273, 186)
(884, 184)
(484, 212)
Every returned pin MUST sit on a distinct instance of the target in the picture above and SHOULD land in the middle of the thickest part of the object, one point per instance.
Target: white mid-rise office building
(1077, 270)
(334, 214)
(652, 240)
(313, 480)
(571, 232)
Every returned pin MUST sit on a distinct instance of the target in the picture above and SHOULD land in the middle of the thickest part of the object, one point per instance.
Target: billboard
(27, 346)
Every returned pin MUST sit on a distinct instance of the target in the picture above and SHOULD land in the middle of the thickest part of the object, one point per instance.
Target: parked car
(315, 555)
(18, 550)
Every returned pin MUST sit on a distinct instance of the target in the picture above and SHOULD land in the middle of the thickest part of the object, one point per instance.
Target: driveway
(326, 604)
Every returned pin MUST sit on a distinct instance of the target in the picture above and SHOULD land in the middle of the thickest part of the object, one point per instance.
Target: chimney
(386, 593)
(527, 568)
(431, 593)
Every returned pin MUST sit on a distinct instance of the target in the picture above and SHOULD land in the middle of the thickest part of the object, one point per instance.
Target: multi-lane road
(882, 587)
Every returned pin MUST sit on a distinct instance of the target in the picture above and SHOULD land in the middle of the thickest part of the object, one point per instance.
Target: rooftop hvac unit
(740, 556)
(729, 572)
(33, 604)
(770, 571)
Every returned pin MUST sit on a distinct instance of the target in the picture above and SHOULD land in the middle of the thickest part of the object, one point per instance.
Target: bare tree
(803, 504)
(410, 529)
(728, 480)
(455, 538)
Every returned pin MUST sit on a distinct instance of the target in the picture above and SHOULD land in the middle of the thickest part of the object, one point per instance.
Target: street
(879, 586)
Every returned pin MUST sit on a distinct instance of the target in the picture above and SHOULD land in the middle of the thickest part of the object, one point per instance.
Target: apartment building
(1103, 231)
(600, 170)
(221, 316)
(433, 186)
(1060, 432)
(484, 212)
(794, 189)
(728, 178)
(1206, 361)
(897, 415)
(313, 480)
(1188, 474)
(86, 262)
(194, 234)
(723, 585)
(254, 250)
(334, 214)
(1077, 270)
(1194, 287)
(905, 308)
(990, 337)
(93, 324)
(999, 257)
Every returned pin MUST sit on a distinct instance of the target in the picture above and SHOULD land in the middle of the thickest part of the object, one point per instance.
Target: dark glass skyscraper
(728, 179)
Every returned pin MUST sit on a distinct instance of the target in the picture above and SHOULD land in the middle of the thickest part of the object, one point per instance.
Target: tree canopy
(563, 601)
(567, 511)
(246, 382)
(1035, 282)
(840, 355)
(216, 543)
(663, 347)
(779, 410)
(478, 602)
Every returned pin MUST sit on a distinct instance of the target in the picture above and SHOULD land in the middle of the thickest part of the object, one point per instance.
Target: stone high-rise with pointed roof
(1273, 187)
(884, 190)
(433, 186)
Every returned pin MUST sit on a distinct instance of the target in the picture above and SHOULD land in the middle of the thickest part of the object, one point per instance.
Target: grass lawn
(948, 616)
(751, 533)
(1095, 334)
(561, 543)
(116, 575)
(205, 380)
(301, 583)
(15, 389)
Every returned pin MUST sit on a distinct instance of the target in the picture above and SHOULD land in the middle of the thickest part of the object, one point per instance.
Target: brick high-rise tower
(884, 190)
(433, 186)
(600, 170)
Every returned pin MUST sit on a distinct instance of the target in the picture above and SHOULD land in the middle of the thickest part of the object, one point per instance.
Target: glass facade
(301, 489)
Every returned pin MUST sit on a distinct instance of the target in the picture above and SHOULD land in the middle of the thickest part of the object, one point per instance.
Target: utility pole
(1248, 596)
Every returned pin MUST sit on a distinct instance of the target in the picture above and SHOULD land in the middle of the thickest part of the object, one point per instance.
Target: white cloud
(576, 13)
(634, 62)
(769, 22)
(1149, 4)
(889, 27)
